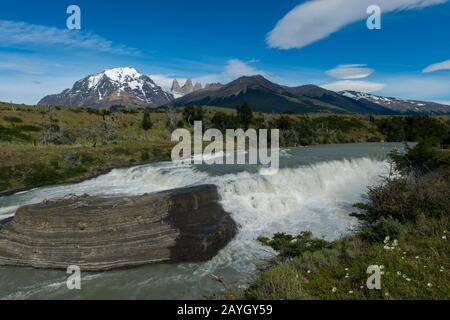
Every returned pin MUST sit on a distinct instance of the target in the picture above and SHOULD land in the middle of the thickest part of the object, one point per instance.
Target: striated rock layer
(108, 233)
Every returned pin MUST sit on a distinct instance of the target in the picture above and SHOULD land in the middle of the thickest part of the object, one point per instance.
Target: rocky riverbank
(100, 234)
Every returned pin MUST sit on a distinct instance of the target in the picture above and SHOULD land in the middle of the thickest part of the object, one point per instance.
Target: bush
(145, 156)
(13, 119)
(289, 246)
(222, 121)
(193, 113)
(40, 174)
(421, 159)
(385, 227)
(5, 176)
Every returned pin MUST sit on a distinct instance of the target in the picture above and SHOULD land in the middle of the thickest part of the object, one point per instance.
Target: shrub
(145, 156)
(420, 159)
(223, 121)
(40, 174)
(193, 113)
(13, 119)
(385, 227)
(289, 246)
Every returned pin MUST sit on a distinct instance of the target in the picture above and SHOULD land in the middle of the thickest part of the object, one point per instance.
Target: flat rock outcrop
(100, 234)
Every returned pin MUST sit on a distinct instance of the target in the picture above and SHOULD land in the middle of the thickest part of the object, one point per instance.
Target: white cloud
(315, 20)
(22, 33)
(445, 65)
(350, 71)
(234, 68)
(353, 85)
(237, 68)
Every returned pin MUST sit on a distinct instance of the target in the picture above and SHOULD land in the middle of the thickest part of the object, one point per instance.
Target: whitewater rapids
(310, 195)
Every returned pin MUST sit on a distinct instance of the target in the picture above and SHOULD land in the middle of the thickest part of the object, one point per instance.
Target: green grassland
(42, 145)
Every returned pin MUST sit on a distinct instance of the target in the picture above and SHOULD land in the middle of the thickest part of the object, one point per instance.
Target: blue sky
(323, 42)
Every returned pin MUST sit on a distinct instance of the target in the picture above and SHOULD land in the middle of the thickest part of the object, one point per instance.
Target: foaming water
(314, 190)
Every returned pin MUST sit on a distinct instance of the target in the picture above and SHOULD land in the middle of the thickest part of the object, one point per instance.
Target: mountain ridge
(266, 96)
(130, 88)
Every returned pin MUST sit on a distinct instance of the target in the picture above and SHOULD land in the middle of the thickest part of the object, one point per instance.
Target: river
(313, 190)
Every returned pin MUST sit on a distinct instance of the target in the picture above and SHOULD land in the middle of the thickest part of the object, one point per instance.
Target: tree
(146, 121)
(245, 115)
(193, 113)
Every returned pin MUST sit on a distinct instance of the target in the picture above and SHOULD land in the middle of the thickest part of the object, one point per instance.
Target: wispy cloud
(238, 68)
(348, 75)
(234, 68)
(353, 85)
(315, 20)
(427, 87)
(350, 71)
(444, 65)
(13, 33)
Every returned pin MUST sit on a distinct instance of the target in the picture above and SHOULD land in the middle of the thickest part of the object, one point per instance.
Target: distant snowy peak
(123, 77)
(399, 105)
(120, 86)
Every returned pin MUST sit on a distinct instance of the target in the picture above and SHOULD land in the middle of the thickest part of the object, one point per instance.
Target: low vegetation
(404, 230)
(42, 145)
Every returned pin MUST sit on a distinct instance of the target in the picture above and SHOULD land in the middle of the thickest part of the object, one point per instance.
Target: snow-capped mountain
(399, 105)
(118, 86)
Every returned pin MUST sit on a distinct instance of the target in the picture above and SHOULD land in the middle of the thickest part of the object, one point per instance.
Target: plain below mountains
(128, 87)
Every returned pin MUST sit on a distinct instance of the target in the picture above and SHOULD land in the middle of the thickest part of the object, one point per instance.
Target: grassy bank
(404, 230)
(42, 145)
